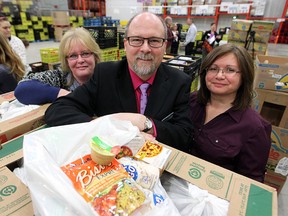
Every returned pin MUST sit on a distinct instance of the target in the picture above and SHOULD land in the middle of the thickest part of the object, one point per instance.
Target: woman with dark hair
(11, 68)
(227, 131)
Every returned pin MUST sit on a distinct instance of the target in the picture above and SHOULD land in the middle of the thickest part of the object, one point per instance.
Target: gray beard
(144, 70)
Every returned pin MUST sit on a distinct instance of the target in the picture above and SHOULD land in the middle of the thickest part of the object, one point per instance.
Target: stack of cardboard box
(271, 101)
(260, 33)
(239, 32)
(253, 35)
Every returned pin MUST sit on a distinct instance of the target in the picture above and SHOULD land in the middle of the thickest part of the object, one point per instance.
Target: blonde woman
(11, 68)
(79, 53)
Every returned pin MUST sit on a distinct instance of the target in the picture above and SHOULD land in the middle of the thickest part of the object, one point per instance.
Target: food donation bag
(54, 157)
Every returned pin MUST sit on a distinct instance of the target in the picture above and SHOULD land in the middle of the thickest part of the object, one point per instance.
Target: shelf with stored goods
(95, 7)
(206, 9)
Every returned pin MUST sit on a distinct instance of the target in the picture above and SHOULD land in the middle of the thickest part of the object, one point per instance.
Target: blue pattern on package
(158, 198)
(132, 171)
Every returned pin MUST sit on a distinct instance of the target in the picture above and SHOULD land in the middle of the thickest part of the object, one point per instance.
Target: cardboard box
(59, 31)
(271, 73)
(242, 25)
(11, 150)
(237, 43)
(61, 18)
(277, 165)
(246, 196)
(14, 195)
(258, 47)
(9, 96)
(224, 6)
(21, 124)
(237, 35)
(262, 25)
(256, 53)
(275, 180)
(272, 106)
(262, 36)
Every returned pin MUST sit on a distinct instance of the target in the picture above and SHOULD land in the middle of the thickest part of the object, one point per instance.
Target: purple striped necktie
(143, 97)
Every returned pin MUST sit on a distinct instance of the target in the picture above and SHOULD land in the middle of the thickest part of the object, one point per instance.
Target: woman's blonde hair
(10, 59)
(69, 38)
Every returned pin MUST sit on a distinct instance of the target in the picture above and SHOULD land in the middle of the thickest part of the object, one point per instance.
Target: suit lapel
(158, 95)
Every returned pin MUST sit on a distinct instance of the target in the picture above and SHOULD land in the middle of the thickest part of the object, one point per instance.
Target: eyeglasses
(154, 42)
(74, 56)
(227, 71)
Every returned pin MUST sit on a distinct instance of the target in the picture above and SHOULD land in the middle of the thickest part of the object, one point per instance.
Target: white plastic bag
(14, 108)
(190, 200)
(46, 150)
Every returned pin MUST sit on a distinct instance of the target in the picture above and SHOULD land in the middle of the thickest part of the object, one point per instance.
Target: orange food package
(108, 188)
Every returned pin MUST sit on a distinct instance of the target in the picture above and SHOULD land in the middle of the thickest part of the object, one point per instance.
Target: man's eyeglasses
(228, 70)
(154, 42)
(84, 54)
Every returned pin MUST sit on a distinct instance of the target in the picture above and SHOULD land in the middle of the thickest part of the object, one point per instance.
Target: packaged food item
(154, 153)
(108, 188)
(131, 148)
(103, 150)
(144, 174)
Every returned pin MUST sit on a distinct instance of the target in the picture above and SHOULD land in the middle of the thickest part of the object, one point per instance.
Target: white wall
(122, 9)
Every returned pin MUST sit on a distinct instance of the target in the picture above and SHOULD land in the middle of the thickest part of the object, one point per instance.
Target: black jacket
(110, 90)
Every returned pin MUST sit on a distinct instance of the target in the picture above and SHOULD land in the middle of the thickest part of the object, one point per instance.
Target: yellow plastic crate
(49, 55)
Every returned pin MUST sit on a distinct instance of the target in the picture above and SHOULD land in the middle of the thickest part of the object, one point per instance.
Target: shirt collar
(137, 81)
(235, 114)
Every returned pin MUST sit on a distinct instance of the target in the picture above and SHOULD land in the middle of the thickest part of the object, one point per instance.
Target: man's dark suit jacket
(110, 90)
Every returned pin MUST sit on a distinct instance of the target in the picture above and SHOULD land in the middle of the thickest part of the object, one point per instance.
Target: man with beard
(115, 88)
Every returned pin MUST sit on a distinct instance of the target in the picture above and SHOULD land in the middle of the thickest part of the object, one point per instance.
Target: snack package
(144, 174)
(108, 188)
(148, 177)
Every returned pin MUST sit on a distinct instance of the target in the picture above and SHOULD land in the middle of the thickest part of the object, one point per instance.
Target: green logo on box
(8, 190)
(194, 173)
(214, 182)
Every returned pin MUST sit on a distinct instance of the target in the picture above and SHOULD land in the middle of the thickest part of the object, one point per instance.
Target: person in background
(209, 38)
(140, 89)
(227, 131)
(176, 39)
(11, 68)
(15, 42)
(168, 21)
(190, 37)
(79, 53)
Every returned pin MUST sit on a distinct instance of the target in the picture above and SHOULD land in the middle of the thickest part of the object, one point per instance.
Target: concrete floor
(33, 55)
